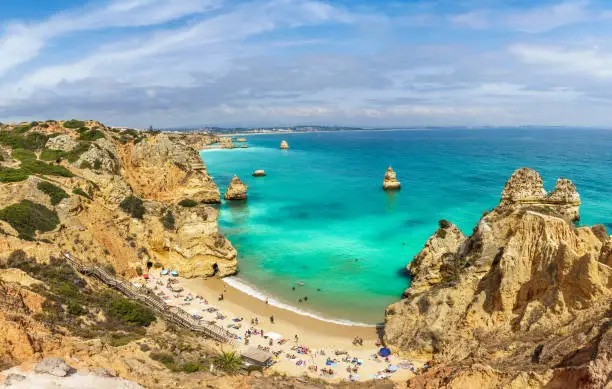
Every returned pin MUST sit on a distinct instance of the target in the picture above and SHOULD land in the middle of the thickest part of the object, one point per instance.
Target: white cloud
(23, 42)
(590, 62)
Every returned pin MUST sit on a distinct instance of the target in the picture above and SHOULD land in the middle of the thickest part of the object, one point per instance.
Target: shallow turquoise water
(321, 217)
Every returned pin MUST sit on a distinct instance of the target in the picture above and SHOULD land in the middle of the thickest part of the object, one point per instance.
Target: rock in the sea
(259, 173)
(61, 142)
(527, 281)
(244, 146)
(241, 139)
(54, 366)
(236, 190)
(226, 142)
(390, 181)
(284, 145)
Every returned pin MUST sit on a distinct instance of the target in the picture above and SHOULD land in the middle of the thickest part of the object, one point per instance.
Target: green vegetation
(30, 165)
(74, 154)
(12, 175)
(24, 128)
(228, 361)
(15, 140)
(187, 203)
(97, 164)
(133, 206)
(85, 165)
(70, 300)
(81, 192)
(74, 124)
(168, 221)
(27, 217)
(91, 135)
(56, 194)
(173, 364)
(131, 311)
(51, 155)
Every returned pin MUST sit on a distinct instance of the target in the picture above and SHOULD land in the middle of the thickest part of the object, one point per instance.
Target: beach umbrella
(384, 352)
(174, 273)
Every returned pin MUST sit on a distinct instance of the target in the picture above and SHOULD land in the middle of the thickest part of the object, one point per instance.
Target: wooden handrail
(173, 314)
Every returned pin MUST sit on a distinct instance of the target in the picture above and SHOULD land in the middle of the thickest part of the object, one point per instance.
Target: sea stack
(226, 143)
(259, 173)
(390, 181)
(284, 145)
(241, 139)
(236, 190)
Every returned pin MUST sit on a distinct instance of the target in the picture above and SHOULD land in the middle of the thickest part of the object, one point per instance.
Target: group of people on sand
(358, 341)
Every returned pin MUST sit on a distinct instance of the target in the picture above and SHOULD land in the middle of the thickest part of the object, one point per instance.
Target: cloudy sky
(282, 62)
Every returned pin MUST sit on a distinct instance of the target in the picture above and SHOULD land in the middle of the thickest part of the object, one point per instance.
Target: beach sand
(318, 335)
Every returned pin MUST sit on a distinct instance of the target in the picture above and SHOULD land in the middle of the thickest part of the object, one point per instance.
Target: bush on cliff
(56, 194)
(15, 140)
(91, 135)
(168, 221)
(74, 124)
(187, 203)
(133, 206)
(81, 192)
(27, 217)
(130, 311)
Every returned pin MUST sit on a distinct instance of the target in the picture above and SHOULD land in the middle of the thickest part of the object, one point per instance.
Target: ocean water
(321, 218)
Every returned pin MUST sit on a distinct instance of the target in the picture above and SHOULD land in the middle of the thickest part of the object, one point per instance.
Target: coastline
(315, 332)
(240, 285)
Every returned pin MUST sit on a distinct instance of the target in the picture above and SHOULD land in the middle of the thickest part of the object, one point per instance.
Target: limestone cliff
(105, 174)
(524, 292)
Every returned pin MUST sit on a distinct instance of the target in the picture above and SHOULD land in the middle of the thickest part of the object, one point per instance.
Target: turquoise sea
(320, 217)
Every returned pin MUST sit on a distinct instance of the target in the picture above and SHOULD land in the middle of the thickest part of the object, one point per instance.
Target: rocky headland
(524, 302)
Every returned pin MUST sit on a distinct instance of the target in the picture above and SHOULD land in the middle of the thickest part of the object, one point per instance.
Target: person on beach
(272, 319)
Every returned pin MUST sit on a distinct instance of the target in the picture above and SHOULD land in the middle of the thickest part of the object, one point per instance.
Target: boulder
(259, 173)
(236, 190)
(61, 142)
(390, 181)
(53, 366)
(284, 145)
(13, 378)
(241, 139)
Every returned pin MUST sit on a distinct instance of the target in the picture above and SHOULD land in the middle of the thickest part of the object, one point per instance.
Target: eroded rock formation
(236, 190)
(284, 145)
(259, 173)
(526, 291)
(390, 181)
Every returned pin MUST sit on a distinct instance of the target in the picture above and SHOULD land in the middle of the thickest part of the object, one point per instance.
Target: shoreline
(236, 283)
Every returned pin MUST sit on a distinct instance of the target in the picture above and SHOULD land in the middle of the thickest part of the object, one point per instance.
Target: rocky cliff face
(103, 169)
(525, 291)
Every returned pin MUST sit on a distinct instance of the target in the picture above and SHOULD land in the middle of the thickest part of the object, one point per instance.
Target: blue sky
(283, 62)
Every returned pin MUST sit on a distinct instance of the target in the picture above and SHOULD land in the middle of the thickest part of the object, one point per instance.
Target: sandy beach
(309, 345)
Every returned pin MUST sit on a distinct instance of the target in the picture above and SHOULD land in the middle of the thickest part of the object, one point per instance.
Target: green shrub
(118, 339)
(139, 270)
(24, 155)
(133, 206)
(74, 154)
(91, 135)
(76, 309)
(15, 140)
(24, 128)
(166, 359)
(85, 165)
(97, 164)
(12, 175)
(187, 203)
(51, 155)
(74, 124)
(56, 194)
(40, 167)
(131, 311)
(110, 269)
(192, 367)
(228, 361)
(168, 221)
(27, 217)
(80, 192)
